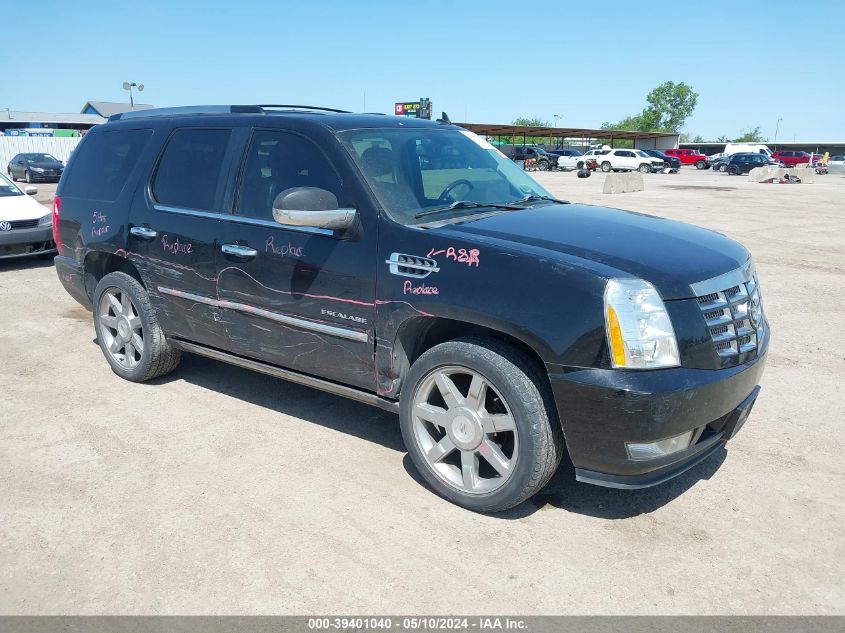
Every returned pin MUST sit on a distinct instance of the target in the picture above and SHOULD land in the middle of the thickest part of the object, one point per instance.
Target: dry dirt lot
(217, 490)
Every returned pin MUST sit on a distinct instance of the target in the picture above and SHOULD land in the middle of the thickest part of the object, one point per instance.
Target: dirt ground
(217, 490)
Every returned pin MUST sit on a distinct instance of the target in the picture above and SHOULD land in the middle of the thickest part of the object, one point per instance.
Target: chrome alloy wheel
(464, 430)
(121, 329)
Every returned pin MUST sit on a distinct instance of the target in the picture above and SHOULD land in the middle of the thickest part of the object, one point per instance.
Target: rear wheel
(605, 167)
(700, 164)
(128, 331)
(478, 423)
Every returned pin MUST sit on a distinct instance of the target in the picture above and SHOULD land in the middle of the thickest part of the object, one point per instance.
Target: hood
(21, 208)
(671, 255)
(47, 164)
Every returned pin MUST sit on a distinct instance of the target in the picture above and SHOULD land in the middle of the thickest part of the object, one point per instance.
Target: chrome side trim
(303, 324)
(286, 374)
(189, 296)
(241, 219)
(730, 279)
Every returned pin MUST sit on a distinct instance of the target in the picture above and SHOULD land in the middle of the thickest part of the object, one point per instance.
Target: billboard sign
(417, 109)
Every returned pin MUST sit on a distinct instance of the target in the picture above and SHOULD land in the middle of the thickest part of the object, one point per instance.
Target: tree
(750, 135)
(534, 121)
(669, 106)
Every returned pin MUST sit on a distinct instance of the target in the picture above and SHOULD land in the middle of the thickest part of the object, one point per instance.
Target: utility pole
(777, 127)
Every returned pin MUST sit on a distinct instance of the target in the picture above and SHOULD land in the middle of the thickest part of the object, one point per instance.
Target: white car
(836, 163)
(26, 227)
(629, 160)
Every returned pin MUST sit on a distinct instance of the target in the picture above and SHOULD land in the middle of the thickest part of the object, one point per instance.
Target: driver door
(298, 297)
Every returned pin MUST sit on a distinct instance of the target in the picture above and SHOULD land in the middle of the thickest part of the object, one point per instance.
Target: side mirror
(30, 191)
(311, 207)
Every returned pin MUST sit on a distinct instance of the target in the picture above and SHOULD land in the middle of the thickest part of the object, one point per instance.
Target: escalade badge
(5, 226)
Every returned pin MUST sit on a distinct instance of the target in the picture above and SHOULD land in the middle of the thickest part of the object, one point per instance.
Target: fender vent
(411, 265)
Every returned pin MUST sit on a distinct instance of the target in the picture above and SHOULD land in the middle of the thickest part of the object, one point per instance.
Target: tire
(580, 164)
(605, 167)
(157, 356)
(723, 168)
(700, 165)
(474, 467)
(28, 177)
(644, 169)
(733, 171)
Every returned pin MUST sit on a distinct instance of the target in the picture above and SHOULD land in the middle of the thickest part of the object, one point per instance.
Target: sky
(752, 63)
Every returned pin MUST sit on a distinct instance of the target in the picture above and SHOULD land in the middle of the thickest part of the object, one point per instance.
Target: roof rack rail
(210, 109)
(303, 107)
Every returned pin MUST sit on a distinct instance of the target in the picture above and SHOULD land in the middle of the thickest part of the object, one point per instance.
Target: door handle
(237, 250)
(143, 232)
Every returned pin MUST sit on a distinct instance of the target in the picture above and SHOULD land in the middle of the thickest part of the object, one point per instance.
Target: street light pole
(777, 127)
(556, 117)
(128, 86)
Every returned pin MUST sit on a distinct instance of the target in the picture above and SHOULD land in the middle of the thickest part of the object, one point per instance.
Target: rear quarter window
(103, 163)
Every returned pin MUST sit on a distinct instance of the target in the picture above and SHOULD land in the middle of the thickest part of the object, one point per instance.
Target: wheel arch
(98, 264)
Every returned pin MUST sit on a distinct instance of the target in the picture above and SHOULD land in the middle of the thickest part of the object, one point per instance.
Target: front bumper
(22, 242)
(603, 409)
(45, 177)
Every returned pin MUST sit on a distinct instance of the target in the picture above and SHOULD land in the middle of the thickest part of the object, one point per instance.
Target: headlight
(37, 169)
(47, 220)
(639, 330)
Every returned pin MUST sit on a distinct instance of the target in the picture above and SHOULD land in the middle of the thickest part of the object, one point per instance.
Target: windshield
(414, 170)
(41, 158)
(642, 153)
(7, 188)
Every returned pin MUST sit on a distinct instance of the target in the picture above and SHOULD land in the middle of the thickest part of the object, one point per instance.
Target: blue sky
(751, 62)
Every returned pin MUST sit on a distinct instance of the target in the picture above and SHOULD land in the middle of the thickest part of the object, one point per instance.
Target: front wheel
(477, 420)
(645, 169)
(28, 177)
(128, 331)
(723, 168)
(733, 171)
(606, 167)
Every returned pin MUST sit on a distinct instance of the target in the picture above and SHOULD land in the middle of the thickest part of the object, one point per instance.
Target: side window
(189, 170)
(103, 162)
(276, 161)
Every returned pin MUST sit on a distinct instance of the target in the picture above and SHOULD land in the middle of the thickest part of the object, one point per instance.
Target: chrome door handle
(143, 232)
(239, 251)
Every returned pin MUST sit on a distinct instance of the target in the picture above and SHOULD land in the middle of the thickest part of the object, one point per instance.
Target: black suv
(744, 163)
(410, 265)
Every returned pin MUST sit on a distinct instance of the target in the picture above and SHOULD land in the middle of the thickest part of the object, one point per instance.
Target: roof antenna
(444, 118)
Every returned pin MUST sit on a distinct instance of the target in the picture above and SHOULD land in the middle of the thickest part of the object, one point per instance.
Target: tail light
(57, 210)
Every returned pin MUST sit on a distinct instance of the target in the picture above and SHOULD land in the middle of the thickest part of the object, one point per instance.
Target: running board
(286, 374)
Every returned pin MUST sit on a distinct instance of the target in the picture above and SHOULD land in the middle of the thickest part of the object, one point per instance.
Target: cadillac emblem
(5, 226)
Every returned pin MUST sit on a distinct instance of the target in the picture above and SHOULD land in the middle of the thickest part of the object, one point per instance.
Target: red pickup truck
(689, 157)
(791, 158)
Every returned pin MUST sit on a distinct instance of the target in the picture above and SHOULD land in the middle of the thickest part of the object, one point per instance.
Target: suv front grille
(734, 317)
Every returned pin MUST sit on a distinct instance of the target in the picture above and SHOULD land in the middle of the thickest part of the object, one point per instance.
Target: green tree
(669, 106)
(750, 135)
(533, 121)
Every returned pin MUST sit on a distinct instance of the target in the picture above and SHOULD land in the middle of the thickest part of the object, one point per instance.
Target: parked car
(672, 162)
(34, 167)
(629, 160)
(502, 325)
(689, 157)
(743, 163)
(591, 158)
(545, 160)
(720, 163)
(568, 158)
(25, 225)
(836, 163)
(791, 158)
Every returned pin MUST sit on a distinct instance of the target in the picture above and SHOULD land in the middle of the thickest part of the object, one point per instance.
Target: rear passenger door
(174, 228)
(298, 297)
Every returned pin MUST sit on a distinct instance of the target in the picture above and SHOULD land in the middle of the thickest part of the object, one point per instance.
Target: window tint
(103, 162)
(277, 161)
(188, 173)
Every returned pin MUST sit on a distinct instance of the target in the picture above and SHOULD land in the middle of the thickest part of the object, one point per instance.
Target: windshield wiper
(467, 204)
(535, 196)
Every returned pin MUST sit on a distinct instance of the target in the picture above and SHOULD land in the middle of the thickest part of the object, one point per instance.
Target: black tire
(644, 169)
(700, 165)
(516, 377)
(28, 177)
(733, 171)
(606, 167)
(159, 357)
(580, 164)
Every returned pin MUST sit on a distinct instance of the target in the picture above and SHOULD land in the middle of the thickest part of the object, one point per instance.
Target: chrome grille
(734, 312)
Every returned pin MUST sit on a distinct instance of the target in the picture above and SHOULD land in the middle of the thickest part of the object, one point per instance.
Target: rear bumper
(22, 242)
(602, 410)
(72, 277)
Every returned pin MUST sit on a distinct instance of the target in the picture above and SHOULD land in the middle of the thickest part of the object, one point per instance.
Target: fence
(59, 147)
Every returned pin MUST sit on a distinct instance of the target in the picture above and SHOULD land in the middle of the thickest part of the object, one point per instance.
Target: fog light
(661, 448)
